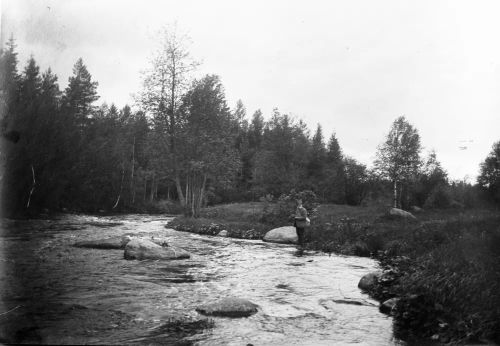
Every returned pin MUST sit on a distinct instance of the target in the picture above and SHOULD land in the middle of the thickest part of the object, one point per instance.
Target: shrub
(281, 212)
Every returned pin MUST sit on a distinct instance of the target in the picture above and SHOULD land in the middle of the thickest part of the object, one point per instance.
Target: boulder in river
(222, 233)
(140, 249)
(229, 307)
(118, 242)
(387, 306)
(369, 280)
(285, 235)
(395, 213)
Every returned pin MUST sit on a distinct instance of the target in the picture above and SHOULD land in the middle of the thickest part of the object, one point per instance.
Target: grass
(444, 267)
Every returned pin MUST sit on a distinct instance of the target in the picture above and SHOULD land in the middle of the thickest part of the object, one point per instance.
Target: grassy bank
(444, 267)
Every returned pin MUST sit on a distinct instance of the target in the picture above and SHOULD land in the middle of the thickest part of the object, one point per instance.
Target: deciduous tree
(398, 157)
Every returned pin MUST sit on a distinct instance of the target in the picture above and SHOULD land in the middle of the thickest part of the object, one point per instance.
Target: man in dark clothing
(301, 221)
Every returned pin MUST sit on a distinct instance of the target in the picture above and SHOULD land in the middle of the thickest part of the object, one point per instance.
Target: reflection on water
(63, 294)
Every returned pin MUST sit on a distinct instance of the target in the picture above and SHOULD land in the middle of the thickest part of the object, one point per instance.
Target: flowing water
(55, 293)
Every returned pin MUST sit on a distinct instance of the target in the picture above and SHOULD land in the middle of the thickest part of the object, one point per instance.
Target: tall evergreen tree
(80, 94)
(9, 83)
(489, 176)
(317, 160)
(334, 187)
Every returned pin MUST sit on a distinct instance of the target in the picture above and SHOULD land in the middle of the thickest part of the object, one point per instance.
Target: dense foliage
(182, 142)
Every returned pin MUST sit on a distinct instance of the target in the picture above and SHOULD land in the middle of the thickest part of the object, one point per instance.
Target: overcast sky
(352, 66)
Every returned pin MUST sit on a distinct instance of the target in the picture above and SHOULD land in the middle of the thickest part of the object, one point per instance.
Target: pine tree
(335, 172)
(80, 94)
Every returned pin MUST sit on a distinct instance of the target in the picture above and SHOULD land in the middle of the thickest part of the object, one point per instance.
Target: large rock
(222, 233)
(400, 214)
(388, 306)
(369, 280)
(285, 235)
(229, 307)
(140, 249)
(118, 242)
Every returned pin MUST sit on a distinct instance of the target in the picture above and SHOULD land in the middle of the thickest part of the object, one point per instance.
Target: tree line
(182, 142)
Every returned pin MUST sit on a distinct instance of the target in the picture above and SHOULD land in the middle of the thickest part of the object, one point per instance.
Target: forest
(181, 147)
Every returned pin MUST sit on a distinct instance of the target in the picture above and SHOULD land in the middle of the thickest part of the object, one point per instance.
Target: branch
(32, 187)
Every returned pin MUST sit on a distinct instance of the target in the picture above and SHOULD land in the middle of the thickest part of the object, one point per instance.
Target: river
(55, 293)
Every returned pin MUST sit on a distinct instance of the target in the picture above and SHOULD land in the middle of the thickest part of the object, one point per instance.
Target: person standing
(301, 221)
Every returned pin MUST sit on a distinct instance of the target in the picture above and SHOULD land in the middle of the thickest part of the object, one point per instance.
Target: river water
(55, 293)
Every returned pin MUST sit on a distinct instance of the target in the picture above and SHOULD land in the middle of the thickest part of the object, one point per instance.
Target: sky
(351, 66)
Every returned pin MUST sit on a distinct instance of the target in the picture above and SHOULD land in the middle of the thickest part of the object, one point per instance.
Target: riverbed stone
(369, 280)
(388, 306)
(118, 242)
(229, 307)
(140, 249)
(400, 214)
(222, 233)
(285, 235)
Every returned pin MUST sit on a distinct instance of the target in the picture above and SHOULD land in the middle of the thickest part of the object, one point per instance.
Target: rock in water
(400, 214)
(222, 233)
(145, 249)
(109, 243)
(369, 280)
(229, 307)
(388, 306)
(118, 242)
(285, 235)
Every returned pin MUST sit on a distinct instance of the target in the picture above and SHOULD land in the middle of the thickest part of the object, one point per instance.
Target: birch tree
(398, 157)
(164, 84)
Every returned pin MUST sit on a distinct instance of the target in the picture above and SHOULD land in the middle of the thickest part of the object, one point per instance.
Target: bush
(439, 198)
(281, 212)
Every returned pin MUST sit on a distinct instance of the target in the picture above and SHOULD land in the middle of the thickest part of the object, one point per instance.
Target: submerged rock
(369, 280)
(229, 307)
(285, 235)
(140, 249)
(118, 242)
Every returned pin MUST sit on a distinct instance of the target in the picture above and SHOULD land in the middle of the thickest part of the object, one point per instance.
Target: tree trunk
(395, 197)
(32, 187)
(178, 186)
(132, 189)
(121, 187)
(152, 189)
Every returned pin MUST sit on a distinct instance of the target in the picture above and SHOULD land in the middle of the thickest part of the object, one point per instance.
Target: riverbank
(444, 267)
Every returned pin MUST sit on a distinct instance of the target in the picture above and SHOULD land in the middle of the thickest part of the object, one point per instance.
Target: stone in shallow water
(118, 242)
(222, 233)
(229, 307)
(285, 235)
(146, 249)
(369, 280)
(388, 306)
